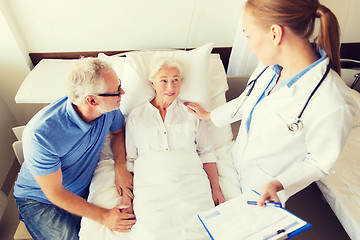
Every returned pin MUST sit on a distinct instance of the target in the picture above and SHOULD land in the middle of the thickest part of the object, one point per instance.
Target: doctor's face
(260, 40)
(167, 83)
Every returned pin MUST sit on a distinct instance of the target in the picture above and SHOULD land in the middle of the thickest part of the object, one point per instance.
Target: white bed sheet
(342, 189)
(170, 189)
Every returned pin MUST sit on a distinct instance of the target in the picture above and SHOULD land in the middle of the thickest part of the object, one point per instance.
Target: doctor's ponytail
(300, 17)
(329, 36)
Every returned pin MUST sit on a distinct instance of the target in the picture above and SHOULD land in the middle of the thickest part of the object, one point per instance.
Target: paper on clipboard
(238, 220)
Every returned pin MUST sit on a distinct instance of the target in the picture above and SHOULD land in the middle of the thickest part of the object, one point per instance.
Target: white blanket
(102, 193)
(170, 188)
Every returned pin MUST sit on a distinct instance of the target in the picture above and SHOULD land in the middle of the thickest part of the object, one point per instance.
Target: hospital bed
(340, 190)
(204, 82)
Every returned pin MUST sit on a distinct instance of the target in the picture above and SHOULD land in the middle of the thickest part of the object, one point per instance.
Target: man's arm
(53, 189)
(123, 178)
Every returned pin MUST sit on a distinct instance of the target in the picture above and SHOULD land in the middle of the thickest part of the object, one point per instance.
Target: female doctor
(296, 111)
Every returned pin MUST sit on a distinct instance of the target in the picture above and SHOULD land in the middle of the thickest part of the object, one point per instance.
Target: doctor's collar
(277, 69)
(320, 52)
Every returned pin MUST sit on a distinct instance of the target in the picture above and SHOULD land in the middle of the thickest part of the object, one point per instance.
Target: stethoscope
(294, 124)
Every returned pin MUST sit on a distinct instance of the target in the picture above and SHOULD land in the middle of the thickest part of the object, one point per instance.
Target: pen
(280, 231)
(274, 204)
(273, 235)
(251, 202)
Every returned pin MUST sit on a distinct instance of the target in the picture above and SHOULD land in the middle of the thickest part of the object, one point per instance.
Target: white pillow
(137, 68)
(116, 62)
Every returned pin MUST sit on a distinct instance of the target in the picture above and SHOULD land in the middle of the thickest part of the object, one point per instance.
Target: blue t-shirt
(56, 137)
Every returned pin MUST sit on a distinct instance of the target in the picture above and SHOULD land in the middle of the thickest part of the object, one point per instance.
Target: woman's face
(167, 84)
(260, 40)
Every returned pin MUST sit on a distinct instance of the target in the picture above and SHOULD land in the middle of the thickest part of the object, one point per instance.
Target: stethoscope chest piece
(294, 125)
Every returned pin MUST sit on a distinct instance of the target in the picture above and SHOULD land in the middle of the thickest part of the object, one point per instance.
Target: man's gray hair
(162, 62)
(86, 79)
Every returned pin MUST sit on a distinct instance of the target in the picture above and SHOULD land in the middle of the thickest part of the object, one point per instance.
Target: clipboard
(241, 219)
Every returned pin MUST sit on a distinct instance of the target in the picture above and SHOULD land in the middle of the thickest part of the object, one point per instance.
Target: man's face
(112, 86)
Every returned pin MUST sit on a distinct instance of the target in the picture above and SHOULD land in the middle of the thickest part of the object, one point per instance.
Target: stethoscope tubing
(315, 89)
(252, 85)
(295, 121)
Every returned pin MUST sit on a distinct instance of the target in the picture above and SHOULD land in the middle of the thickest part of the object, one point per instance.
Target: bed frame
(37, 57)
(306, 202)
(349, 51)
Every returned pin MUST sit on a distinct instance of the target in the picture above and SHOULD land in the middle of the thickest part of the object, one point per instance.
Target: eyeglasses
(111, 94)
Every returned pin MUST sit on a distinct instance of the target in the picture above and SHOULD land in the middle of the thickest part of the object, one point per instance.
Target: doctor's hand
(198, 111)
(118, 221)
(269, 192)
(124, 181)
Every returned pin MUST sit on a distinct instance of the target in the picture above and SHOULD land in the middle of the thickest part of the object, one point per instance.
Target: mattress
(342, 189)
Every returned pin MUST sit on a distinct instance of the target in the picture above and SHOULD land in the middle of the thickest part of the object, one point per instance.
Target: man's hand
(269, 192)
(53, 189)
(118, 221)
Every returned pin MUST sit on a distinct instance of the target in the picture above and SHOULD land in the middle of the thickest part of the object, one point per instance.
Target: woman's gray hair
(162, 62)
(86, 79)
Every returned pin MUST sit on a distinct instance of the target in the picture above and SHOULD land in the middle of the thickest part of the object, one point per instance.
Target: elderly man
(62, 144)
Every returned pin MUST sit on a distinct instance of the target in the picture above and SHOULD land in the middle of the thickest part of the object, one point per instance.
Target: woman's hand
(218, 197)
(269, 192)
(198, 111)
(123, 181)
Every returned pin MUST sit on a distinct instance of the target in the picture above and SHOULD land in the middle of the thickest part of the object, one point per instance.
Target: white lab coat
(270, 150)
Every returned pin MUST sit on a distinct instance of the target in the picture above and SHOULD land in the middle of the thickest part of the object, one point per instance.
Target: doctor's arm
(222, 115)
(123, 178)
(53, 189)
(324, 140)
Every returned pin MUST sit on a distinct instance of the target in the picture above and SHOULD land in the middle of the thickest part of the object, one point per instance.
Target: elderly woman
(168, 150)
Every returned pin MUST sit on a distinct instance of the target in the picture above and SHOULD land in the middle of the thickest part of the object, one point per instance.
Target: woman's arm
(123, 178)
(207, 155)
(212, 172)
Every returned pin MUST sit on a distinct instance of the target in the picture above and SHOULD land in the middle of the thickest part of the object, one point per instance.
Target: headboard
(347, 51)
(224, 53)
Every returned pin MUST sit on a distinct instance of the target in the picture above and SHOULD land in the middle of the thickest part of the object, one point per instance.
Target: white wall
(86, 25)
(13, 70)
(6, 139)
(347, 12)
(89, 25)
